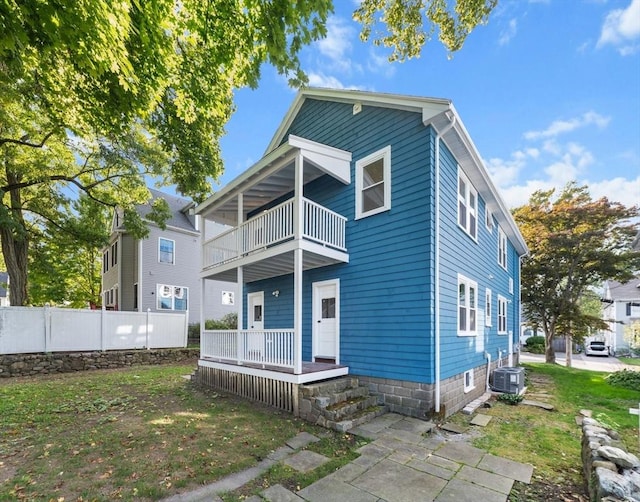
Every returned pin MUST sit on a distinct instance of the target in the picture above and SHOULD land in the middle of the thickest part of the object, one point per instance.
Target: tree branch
(24, 141)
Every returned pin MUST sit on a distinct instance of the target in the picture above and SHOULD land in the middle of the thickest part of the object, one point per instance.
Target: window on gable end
(467, 306)
(467, 206)
(502, 248)
(166, 250)
(373, 183)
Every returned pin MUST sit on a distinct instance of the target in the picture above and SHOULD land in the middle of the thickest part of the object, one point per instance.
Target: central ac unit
(508, 379)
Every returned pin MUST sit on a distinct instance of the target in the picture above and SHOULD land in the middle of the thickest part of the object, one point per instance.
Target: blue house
(368, 241)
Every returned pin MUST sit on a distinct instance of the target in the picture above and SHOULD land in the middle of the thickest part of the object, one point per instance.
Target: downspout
(437, 259)
(488, 356)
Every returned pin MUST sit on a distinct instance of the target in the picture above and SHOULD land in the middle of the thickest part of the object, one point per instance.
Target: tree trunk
(15, 245)
(568, 349)
(549, 353)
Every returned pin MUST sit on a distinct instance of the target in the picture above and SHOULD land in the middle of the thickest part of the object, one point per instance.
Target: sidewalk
(403, 463)
(581, 361)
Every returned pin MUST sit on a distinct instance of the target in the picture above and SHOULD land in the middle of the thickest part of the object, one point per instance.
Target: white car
(596, 348)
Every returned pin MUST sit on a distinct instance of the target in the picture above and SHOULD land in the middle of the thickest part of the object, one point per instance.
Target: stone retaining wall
(610, 472)
(15, 365)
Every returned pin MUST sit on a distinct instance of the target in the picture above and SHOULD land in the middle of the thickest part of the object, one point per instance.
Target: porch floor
(311, 371)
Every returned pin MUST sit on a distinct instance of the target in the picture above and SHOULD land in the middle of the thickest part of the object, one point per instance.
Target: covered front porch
(273, 229)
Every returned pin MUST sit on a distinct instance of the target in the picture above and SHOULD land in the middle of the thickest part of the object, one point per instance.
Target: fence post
(148, 314)
(47, 327)
(186, 328)
(103, 322)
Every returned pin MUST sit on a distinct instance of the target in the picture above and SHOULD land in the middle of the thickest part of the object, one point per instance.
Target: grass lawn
(140, 433)
(632, 361)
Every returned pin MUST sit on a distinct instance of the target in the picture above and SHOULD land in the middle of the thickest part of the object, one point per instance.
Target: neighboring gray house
(4, 289)
(161, 272)
(621, 308)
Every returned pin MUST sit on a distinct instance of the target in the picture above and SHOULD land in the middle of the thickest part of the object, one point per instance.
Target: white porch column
(298, 225)
(240, 276)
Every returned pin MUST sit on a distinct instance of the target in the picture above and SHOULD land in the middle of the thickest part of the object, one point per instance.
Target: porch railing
(268, 347)
(274, 226)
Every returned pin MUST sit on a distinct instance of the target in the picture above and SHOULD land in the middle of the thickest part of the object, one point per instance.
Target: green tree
(575, 243)
(89, 88)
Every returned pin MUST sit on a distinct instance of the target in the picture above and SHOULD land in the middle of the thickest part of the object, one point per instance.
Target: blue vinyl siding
(387, 288)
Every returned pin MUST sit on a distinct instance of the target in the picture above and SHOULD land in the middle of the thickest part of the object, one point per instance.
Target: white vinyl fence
(49, 329)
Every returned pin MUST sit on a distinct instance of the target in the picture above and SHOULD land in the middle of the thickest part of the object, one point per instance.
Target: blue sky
(549, 91)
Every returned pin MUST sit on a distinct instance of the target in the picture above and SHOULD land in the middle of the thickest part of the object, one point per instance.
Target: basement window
(468, 381)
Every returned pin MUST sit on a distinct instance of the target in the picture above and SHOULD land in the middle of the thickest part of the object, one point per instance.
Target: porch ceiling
(274, 176)
(273, 266)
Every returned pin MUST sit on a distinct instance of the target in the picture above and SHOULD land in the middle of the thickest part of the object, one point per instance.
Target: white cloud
(622, 190)
(563, 126)
(621, 28)
(337, 44)
(509, 32)
(322, 80)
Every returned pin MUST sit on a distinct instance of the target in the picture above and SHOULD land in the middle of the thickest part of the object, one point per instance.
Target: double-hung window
(467, 306)
(373, 183)
(502, 248)
(166, 251)
(172, 297)
(502, 315)
(467, 206)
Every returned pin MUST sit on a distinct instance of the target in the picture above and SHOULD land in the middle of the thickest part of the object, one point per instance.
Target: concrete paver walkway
(401, 464)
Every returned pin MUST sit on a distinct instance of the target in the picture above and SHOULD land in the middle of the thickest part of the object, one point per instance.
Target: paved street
(580, 361)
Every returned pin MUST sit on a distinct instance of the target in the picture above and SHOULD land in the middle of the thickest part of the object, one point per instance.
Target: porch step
(339, 404)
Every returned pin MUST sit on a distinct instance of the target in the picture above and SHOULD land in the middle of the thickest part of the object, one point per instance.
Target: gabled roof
(178, 206)
(621, 292)
(443, 117)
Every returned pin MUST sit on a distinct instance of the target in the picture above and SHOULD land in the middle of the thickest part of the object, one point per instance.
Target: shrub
(628, 379)
(512, 399)
(229, 321)
(535, 344)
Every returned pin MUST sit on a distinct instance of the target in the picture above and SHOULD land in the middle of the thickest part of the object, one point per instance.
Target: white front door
(255, 302)
(255, 316)
(326, 320)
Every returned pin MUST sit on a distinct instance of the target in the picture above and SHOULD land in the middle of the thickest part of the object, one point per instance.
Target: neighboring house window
(467, 306)
(105, 261)
(114, 254)
(489, 220)
(468, 381)
(166, 251)
(467, 206)
(373, 183)
(487, 307)
(502, 248)
(502, 315)
(172, 297)
(227, 298)
(135, 296)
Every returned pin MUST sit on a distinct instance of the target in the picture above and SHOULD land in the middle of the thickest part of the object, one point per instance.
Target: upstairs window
(105, 261)
(166, 251)
(502, 315)
(467, 206)
(502, 248)
(114, 253)
(467, 306)
(373, 183)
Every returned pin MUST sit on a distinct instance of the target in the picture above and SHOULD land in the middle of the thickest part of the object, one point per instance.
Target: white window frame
(502, 315)
(464, 200)
(385, 155)
(470, 308)
(487, 307)
(164, 291)
(105, 261)
(511, 285)
(173, 254)
(468, 381)
(502, 248)
(488, 220)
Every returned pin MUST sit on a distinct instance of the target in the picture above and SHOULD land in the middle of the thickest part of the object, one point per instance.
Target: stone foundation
(15, 365)
(610, 472)
(418, 399)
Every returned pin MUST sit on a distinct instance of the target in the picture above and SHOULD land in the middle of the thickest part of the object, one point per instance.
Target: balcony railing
(274, 226)
(268, 347)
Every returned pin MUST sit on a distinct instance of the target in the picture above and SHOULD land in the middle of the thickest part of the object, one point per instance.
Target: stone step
(360, 418)
(345, 409)
(329, 387)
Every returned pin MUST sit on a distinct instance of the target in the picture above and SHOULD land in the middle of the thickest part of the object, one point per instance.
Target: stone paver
(506, 467)
(305, 460)
(481, 420)
(458, 490)
(461, 453)
(486, 479)
(398, 483)
(328, 489)
(302, 440)
(433, 469)
(278, 493)
(414, 425)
